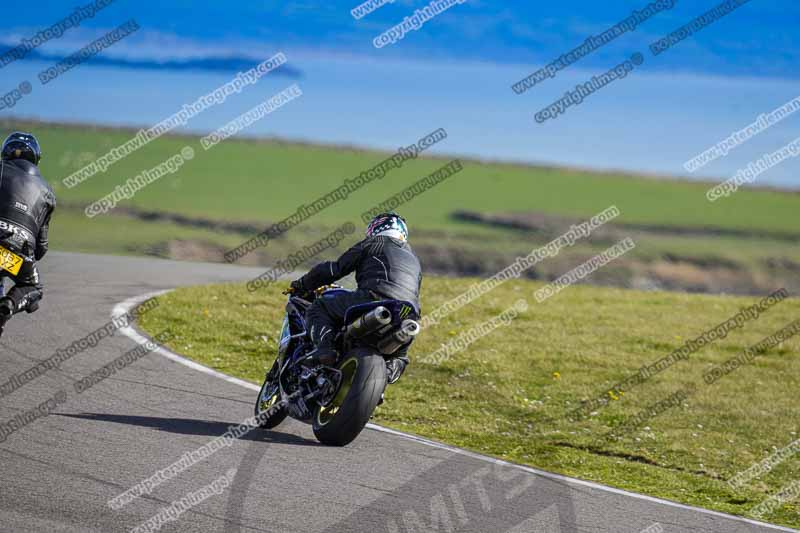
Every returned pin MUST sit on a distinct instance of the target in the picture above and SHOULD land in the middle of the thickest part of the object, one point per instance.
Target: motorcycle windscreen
(283, 342)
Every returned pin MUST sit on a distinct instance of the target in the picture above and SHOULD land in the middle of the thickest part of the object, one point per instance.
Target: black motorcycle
(338, 401)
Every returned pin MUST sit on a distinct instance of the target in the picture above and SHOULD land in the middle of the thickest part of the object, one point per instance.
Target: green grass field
(262, 182)
(267, 180)
(508, 394)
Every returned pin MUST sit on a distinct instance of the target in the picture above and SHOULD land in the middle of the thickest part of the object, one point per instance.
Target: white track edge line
(130, 332)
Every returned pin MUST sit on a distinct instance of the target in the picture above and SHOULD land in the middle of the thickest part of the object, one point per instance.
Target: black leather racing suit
(385, 268)
(26, 205)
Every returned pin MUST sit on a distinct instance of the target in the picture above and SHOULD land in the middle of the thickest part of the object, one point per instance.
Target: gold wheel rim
(265, 405)
(327, 413)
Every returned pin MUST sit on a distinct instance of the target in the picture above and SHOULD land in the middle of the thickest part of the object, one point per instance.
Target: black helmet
(21, 145)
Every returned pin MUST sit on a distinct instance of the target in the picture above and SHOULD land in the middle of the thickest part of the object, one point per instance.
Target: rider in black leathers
(26, 205)
(386, 268)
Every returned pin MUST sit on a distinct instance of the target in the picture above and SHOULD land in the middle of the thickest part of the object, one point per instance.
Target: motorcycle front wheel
(268, 416)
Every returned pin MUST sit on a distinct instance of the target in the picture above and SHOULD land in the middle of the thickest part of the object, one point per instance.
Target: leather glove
(295, 288)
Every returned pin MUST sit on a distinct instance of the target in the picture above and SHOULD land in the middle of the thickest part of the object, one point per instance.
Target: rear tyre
(268, 416)
(363, 382)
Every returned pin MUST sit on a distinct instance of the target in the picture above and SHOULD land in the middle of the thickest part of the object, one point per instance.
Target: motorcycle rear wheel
(363, 381)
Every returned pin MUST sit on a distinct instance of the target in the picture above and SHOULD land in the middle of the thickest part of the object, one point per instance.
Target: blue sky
(455, 72)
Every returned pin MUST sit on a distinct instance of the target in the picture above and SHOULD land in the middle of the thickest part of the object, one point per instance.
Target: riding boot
(323, 353)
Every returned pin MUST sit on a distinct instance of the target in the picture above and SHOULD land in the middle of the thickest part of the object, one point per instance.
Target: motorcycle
(339, 400)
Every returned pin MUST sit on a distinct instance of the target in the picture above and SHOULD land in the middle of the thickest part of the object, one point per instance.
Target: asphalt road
(58, 472)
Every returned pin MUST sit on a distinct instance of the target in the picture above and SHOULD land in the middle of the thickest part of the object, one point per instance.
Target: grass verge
(508, 393)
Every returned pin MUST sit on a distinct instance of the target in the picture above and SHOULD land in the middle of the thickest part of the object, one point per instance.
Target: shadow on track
(188, 426)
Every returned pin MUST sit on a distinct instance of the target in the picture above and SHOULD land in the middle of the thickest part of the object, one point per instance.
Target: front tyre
(343, 418)
(267, 414)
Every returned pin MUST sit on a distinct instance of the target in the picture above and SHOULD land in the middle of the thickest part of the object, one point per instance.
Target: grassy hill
(267, 180)
(745, 244)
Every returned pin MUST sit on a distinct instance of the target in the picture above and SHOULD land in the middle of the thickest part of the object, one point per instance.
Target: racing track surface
(58, 472)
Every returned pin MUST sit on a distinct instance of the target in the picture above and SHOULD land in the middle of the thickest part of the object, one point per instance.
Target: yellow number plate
(10, 261)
